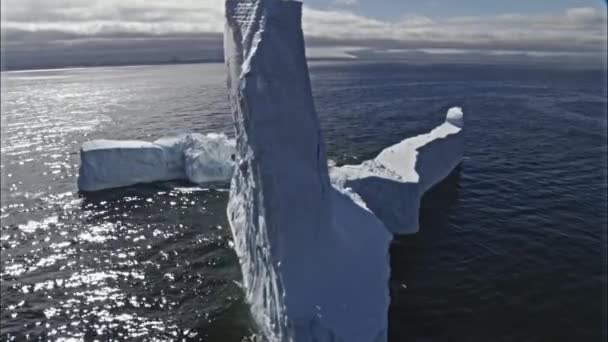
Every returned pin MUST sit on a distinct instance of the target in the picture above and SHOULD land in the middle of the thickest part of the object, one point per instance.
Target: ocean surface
(512, 245)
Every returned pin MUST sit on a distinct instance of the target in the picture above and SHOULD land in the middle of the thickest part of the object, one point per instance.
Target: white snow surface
(208, 158)
(195, 157)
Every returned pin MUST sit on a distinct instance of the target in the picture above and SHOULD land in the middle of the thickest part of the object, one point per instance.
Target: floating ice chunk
(195, 157)
(392, 184)
(111, 164)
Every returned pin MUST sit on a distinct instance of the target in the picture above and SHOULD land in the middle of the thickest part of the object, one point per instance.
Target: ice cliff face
(314, 263)
(199, 158)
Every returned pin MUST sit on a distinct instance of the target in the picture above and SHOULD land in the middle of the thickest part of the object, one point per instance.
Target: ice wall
(108, 164)
(314, 263)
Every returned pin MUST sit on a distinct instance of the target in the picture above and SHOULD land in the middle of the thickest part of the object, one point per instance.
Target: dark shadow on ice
(437, 160)
(397, 203)
(401, 213)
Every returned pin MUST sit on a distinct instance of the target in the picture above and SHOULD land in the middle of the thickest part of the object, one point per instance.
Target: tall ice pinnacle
(308, 274)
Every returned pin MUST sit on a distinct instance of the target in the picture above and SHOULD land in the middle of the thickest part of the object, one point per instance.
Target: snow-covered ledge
(392, 184)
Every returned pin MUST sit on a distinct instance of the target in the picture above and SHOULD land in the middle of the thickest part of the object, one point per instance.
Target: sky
(72, 32)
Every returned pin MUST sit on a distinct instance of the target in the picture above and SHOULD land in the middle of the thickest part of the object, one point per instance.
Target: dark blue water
(512, 245)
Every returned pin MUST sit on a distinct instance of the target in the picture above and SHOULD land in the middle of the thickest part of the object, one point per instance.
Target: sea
(512, 245)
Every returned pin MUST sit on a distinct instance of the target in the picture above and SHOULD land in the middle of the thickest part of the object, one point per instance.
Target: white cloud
(91, 17)
(573, 30)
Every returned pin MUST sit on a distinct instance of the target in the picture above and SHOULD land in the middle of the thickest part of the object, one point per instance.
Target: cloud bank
(123, 30)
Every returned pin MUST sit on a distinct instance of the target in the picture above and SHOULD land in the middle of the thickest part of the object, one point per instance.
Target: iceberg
(312, 240)
(198, 158)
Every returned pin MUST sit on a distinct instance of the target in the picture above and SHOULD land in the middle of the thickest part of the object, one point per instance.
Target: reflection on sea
(127, 257)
